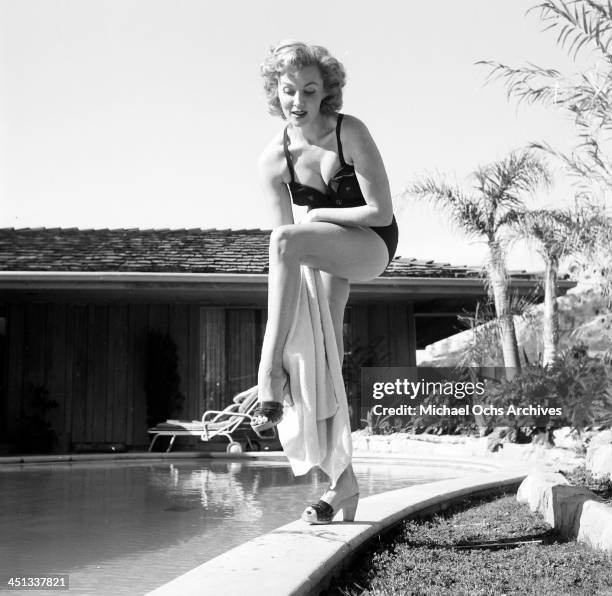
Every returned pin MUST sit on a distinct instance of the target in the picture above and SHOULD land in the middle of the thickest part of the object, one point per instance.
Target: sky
(151, 114)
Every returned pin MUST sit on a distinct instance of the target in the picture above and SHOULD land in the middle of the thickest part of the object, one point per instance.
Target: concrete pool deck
(314, 553)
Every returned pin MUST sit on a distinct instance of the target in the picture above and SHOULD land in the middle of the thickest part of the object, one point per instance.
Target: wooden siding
(91, 359)
(213, 356)
(243, 353)
(386, 328)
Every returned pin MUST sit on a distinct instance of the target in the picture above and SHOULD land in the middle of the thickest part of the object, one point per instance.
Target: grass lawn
(477, 551)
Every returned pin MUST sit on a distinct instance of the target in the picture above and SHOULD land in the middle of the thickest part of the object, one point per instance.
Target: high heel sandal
(323, 513)
(266, 416)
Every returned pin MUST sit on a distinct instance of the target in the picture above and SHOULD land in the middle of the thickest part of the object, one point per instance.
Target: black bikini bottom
(389, 236)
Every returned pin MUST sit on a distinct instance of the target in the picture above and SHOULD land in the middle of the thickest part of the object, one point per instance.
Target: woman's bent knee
(283, 242)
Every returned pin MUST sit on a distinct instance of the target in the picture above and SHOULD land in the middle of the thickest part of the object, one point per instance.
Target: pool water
(128, 527)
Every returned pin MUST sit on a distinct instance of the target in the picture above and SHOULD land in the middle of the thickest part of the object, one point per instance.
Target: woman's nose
(297, 100)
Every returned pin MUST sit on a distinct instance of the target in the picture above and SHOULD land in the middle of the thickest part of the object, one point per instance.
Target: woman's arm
(360, 150)
(275, 192)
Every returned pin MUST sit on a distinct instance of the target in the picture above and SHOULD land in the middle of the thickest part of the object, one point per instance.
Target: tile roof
(164, 250)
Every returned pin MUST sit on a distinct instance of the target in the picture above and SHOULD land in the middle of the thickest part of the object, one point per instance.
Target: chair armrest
(229, 411)
(228, 414)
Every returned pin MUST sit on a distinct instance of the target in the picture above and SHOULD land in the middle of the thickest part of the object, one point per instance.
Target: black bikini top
(342, 189)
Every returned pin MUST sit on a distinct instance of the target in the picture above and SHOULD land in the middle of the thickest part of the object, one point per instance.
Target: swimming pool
(128, 527)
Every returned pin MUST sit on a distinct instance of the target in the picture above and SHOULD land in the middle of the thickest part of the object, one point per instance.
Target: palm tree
(556, 234)
(499, 187)
(586, 98)
(594, 252)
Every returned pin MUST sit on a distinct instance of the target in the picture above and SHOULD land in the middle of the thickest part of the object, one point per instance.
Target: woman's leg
(341, 254)
(337, 293)
(283, 287)
(345, 253)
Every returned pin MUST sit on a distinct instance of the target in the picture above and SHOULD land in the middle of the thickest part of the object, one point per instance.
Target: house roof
(217, 267)
(172, 251)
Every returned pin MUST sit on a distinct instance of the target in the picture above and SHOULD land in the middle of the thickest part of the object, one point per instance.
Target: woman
(328, 162)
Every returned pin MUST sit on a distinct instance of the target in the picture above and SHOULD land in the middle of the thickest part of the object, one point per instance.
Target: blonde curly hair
(292, 55)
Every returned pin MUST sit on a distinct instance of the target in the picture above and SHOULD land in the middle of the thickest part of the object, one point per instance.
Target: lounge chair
(214, 423)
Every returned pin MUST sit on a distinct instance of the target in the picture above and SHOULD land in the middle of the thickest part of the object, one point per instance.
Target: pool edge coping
(473, 463)
(317, 552)
(486, 476)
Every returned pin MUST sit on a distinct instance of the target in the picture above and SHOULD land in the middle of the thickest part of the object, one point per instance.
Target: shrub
(581, 476)
(578, 384)
(384, 425)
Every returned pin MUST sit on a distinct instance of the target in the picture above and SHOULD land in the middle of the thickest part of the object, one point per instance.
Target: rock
(599, 461)
(603, 437)
(583, 316)
(538, 455)
(537, 491)
(456, 446)
(568, 503)
(596, 525)
(574, 512)
(568, 439)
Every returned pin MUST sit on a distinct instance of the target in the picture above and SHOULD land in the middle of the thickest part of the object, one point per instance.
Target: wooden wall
(231, 344)
(387, 327)
(91, 359)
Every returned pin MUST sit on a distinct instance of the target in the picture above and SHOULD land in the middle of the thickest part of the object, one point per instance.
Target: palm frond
(595, 224)
(589, 98)
(505, 182)
(555, 233)
(594, 260)
(524, 83)
(587, 162)
(465, 211)
(509, 218)
(500, 186)
(580, 23)
(586, 96)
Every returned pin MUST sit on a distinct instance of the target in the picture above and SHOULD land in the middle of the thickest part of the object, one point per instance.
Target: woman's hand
(360, 149)
(310, 217)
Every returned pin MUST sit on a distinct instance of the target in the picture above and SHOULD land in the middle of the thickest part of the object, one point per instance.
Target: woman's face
(300, 93)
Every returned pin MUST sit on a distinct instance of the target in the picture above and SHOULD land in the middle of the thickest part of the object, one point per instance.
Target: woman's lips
(299, 114)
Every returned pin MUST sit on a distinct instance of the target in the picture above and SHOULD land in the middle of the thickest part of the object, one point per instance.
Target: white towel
(315, 429)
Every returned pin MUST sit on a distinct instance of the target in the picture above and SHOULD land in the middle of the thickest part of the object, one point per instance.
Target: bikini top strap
(288, 155)
(340, 155)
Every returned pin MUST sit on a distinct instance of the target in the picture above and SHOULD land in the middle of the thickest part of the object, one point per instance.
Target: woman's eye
(309, 92)
(287, 90)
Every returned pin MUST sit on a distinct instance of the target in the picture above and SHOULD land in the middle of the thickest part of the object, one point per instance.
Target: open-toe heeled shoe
(266, 416)
(323, 513)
